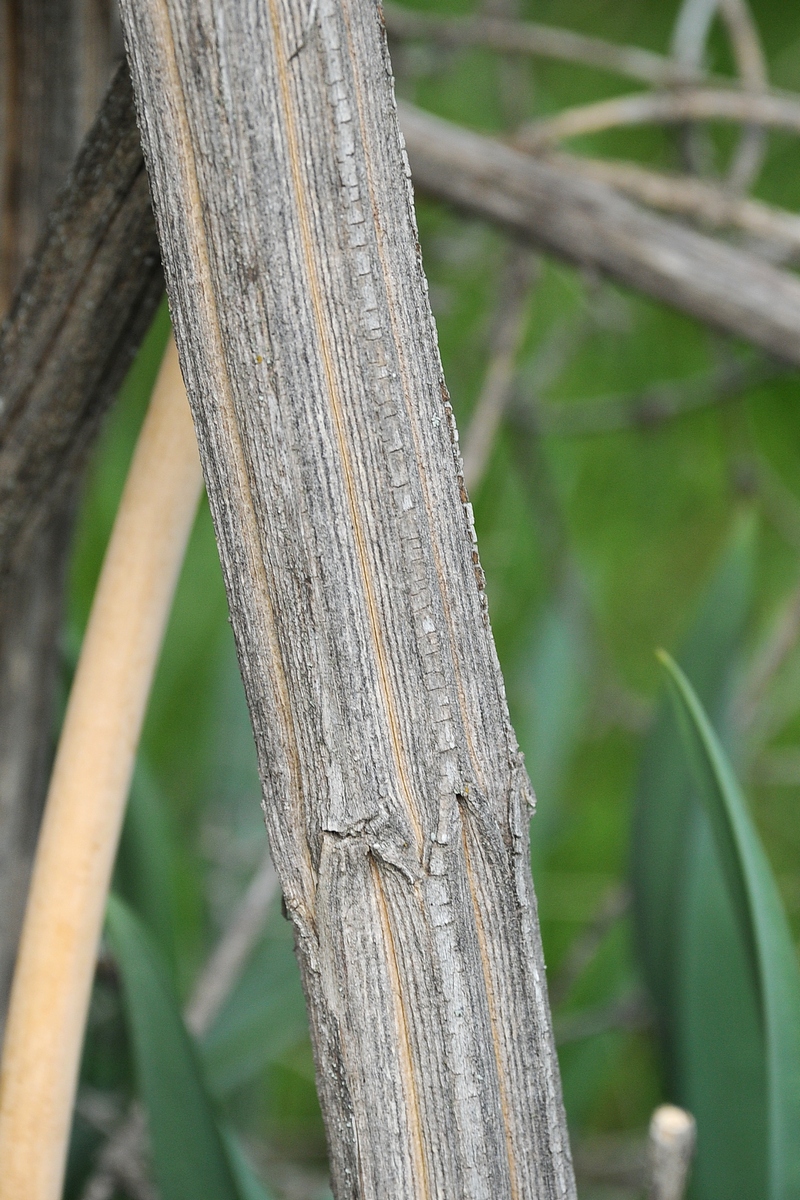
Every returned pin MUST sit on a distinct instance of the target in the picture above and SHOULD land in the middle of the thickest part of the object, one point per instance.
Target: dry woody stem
(86, 800)
(395, 798)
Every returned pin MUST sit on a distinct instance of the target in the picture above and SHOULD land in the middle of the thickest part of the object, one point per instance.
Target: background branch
(510, 36)
(704, 202)
(673, 107)
(589, 224)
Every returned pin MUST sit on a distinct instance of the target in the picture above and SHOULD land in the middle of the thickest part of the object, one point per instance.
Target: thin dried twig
(224, 967)
(779, 767)
(518, 278)
(631, 1012)
(752, 66)
(689, 40)
(706, 203)
(86, 799)
(768, 660)
(542, 41)
(690, 32)
(673, 107)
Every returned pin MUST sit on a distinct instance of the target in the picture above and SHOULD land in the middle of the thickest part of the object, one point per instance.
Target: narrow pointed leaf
(190, 1158)
(689, 939)
(764, 926)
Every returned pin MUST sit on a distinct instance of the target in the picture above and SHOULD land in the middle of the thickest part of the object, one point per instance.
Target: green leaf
(264, 1015)
(763, 928)
(144, 867)
(249, 1185)
(663, 801)
(190, 1158)
(550, 694)
(695, 962)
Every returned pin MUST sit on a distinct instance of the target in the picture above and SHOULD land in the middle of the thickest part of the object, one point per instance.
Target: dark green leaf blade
(189, 1155)
(749, 875)
(694, 960)
(663, 800)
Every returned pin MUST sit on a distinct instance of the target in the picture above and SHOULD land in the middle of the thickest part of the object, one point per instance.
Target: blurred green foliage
(597, 550)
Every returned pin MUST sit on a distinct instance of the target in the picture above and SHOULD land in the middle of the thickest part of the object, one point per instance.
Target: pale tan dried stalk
(86, 800)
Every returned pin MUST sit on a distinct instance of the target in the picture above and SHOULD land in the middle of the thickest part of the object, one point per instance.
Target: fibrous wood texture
(395, 799)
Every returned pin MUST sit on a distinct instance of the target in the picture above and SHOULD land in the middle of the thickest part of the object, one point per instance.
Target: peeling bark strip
(395, 799)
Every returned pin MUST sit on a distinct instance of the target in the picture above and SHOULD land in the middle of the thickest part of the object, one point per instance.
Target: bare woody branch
(587, 223)
(705, 203)
(509, 36)
(76, 322)
(395, 803)
(673, 107)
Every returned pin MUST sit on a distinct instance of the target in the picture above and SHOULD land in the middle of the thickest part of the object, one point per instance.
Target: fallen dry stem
(86, 800)
(591, 224)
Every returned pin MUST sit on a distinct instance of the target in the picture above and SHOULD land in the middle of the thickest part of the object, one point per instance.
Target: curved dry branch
(752, 66)
(643, 108)
(86, 799)
(509, 36)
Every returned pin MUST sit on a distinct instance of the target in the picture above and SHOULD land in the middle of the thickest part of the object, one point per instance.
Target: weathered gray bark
(395, 798)
(79, 314)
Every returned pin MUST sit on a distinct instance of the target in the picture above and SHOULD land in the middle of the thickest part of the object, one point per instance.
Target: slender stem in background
(613, 905)
(752, 66)
(673, 107)
(689, 41)
(226, 962)
(86, 800)
(651, 406)
(509, 36)
(515, 288)
(768, 660)
(670, 1149)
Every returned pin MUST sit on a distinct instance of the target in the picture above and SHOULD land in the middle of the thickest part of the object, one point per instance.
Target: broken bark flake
(307, 343)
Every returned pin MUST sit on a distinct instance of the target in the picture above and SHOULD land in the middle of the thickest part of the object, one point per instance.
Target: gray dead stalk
(396, 802)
